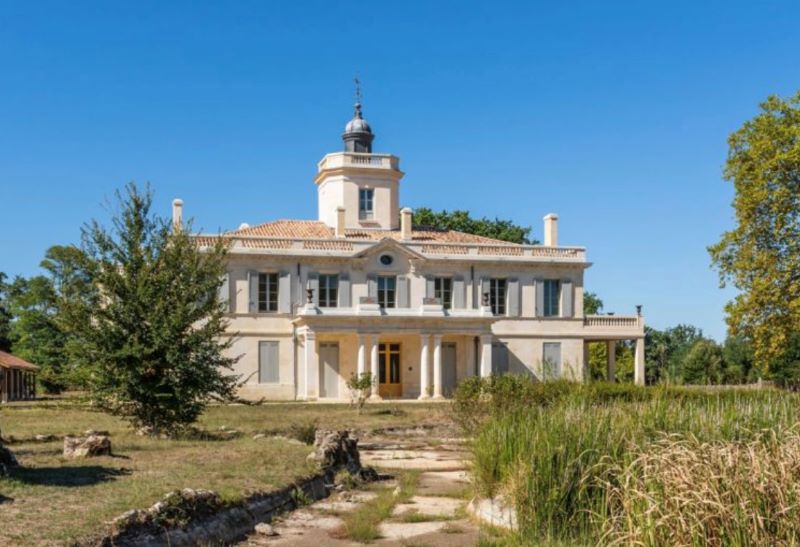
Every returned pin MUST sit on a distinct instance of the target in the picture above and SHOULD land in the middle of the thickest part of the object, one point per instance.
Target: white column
(311, 361)
(362, 356)
(638, 362)
(374, 368)
(611, 351)
(437, 366)
(486, 355)
(424, 367)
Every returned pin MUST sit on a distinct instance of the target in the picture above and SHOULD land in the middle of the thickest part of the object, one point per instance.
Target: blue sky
(615, 115)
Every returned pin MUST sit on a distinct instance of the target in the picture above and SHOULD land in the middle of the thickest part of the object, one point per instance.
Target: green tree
(35, 334)
(704, 363)
(461, 221)
(785, 370)
(5, 316)
(739, 363)
(592, 305)
(761, 255)
(156, 335)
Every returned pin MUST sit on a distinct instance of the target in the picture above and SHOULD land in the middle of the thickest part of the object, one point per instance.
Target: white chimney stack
(340, 221)
(177, 213)
(405, 224)
(551, 230)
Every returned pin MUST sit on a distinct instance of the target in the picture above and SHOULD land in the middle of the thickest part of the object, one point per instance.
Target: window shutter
(402, 292)
(513, 297)
(269, 365)
(344, 290)
(459, 292)
(224, 292)
(567, 308)
(430, 287)
(252, 282)
(484, 288)
(372, 285)
(285, 293)
(539, 297)
(313, 284)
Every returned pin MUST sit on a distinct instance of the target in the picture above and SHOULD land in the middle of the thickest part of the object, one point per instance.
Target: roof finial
(358, 96)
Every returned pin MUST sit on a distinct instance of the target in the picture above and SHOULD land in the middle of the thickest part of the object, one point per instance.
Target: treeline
(33, 317)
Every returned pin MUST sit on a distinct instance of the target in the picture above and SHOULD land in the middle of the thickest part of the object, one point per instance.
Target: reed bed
(635, 466)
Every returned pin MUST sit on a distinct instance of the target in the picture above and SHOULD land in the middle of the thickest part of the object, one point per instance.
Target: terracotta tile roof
(312, 229)
(12, 361)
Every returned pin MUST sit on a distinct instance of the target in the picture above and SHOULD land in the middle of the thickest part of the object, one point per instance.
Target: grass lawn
(51, 500)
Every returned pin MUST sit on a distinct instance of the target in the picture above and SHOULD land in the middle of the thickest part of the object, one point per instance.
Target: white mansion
(363, 289)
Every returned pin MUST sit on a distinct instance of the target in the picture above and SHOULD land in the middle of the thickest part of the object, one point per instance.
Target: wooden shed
(17, 378)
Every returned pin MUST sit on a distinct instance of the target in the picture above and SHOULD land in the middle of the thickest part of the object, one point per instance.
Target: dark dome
(358, 135)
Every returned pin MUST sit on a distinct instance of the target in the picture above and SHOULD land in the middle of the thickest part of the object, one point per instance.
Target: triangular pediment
(389, 244)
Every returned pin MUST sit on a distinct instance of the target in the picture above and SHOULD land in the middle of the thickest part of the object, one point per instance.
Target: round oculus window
(386, 260)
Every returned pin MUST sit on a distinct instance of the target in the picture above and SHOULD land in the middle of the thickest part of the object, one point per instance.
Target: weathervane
(358, 89)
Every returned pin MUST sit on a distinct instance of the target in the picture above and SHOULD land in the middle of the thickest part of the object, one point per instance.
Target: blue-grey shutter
(268, 363)
(567, 308)
(539, 297)
(430, 287)
(252, 282)
(285, 292)
(484, 288)
(224, 292)
(372, 285)
(499, 359)
(313, 284)
(402, 292)
(344, 291)
(459, 292)
(513, 297)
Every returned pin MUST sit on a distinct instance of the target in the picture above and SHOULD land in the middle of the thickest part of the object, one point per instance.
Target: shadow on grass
(84, 475)
(5, 499)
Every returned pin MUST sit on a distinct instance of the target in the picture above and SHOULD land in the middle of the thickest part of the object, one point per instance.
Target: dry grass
(52, 501)
(684, 492)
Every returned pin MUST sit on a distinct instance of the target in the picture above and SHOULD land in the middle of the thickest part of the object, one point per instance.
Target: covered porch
(17, 378)
(420, 358)
(610, 329)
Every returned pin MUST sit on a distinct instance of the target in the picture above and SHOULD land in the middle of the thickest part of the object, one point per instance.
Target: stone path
(433, 517)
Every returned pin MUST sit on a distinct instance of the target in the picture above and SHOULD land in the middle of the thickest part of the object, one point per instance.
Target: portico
(419, 358)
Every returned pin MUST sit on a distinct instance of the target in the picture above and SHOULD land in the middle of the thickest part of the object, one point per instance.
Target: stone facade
(362, 289)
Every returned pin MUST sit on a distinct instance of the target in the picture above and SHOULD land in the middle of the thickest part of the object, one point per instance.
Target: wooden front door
(389, 370)
(329, 361)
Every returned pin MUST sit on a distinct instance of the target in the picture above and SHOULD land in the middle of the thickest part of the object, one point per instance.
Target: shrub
(360, 386)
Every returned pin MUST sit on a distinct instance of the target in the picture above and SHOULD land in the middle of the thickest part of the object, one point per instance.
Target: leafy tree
(761, 255)
(5, 316)
(704, 363)
(592, 305)
(785, 370)
(461, 221)
(155, 337)
(739, 363)
(35, 334)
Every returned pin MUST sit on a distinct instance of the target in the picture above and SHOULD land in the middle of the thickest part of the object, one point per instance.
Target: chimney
(551, 230)
(339, 222)
(405, 224)
(177, 214)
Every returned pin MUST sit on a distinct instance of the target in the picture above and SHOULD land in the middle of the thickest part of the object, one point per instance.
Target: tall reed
(565, 464)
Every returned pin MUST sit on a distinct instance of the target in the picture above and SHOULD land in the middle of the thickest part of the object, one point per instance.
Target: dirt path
(432, 515)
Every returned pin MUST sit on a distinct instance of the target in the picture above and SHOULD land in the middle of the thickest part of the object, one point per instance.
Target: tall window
(328, 291)
(267, 292)
(443, 290)
(497, 296)
(552, 297)
(365, 199)
(387, 290)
